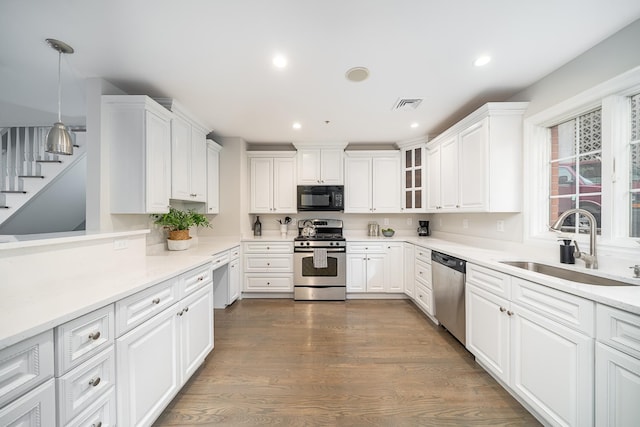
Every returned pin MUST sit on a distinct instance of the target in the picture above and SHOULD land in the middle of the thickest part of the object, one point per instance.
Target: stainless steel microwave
(320, 197)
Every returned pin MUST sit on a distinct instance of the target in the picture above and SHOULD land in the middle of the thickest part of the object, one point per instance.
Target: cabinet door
(449, 174)
(309, 167)
(433, 186)
(196, 330)
(213, 179)
(375, 272)
(331, 167)
(552, 368)
(35, 409)
(284, 185)
(387, 187)
(234, 280)
(158, 177)
(413, 179)
(394, 268)
(488, 330)
(180, 158)
(198, 172)
(147, 360)
(473, 145)
(261, 186)
(356, 272)
(409, 269)
(357, 189)
(617, 387)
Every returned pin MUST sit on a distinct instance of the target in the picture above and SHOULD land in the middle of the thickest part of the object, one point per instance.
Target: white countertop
(30, 307)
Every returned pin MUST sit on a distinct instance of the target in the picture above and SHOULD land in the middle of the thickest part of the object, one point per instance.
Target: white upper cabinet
(318, 166)
(213, 177)
(188, 154)
(137, 130)
(413, 177)
(476, 165)
(272, 182)
(372, 181)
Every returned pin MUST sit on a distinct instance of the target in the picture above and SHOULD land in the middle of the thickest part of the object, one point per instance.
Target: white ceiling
(214, 56)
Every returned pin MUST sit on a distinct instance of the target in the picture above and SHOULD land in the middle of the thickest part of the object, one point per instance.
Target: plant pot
(179, 235)
(178, 245)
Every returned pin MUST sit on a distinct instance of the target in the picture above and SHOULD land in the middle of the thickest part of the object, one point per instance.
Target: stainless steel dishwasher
(448, 274)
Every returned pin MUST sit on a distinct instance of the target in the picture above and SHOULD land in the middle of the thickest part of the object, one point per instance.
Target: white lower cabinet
(148, 368)
(366, 267)
(536, 340)
(617, 367)
(394, 268)
(234, 280)
(101, 413)
(423, 294)
(409, 269)
(36, 408)
(268, 266)
(157, 357)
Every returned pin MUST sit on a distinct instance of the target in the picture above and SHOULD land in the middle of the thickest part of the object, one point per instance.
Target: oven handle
(310, 250)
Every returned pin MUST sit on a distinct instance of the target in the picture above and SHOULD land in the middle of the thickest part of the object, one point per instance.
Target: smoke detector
(407, 103)
(357, 74)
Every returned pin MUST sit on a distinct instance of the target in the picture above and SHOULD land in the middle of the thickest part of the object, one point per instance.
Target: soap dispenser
(566, 252)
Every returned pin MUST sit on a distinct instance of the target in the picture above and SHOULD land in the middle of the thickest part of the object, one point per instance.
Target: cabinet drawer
(267, 283)
(79, 388)
(100, 413)
(569, 310)
(618, 329)
(272, 263)
(195, 279)
(25, 365)
(423, 274)
(423, 297)
(36, 408)
(365, 247)
(82, 338)
(220, 259)
(268, 247)
(133, 310)
(234, 253)
(490, 280)
(423, 254)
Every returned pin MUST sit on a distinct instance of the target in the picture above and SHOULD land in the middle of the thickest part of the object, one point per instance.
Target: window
(575, 167)
(634, 167)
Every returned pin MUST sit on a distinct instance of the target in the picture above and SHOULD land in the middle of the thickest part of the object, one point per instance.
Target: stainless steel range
(319, 255)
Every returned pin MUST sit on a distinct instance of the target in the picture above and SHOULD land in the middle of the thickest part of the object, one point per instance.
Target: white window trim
(611, 97)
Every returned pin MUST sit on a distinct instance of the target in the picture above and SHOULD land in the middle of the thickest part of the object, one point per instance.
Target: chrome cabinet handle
(180, 313)
(510, 313)
(502, 309)
(201, 278)
(98, 424)
(156, 301)
(95, 381)
(94, 335)
(186, 309)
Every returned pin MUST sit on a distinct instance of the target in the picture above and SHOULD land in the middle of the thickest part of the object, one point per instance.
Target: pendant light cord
(59, 87)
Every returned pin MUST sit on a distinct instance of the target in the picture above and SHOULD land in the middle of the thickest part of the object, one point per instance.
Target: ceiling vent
(407, 103)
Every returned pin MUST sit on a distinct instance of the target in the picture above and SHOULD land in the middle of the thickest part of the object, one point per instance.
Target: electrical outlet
(409, 221)
(465, 223)
(385, 221)
(500, 225)
(120, 244)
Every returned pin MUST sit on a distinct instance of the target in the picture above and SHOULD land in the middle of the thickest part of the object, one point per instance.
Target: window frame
(612, 97)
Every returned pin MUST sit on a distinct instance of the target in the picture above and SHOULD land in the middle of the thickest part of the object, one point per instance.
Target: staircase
(26, 169)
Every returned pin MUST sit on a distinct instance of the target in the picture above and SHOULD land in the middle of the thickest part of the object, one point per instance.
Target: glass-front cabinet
(413, 178)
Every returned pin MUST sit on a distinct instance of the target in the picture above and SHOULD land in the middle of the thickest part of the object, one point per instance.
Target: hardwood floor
(363, 362)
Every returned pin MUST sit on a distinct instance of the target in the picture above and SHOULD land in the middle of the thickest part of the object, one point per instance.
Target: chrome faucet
(590, 259)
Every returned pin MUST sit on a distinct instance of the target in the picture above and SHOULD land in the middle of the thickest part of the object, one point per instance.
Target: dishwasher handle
(449, 261)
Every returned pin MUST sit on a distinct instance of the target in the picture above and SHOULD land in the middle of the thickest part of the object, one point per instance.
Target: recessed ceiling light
(280, 61)
(482, 60)
(357, 74)
(414, 125)
(296, 125)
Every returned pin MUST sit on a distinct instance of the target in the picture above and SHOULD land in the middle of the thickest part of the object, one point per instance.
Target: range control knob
(308, 243)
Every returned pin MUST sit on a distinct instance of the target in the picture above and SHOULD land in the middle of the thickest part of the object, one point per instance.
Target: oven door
(305, 274)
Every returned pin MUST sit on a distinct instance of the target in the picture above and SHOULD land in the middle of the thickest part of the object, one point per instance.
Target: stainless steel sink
(561, 273)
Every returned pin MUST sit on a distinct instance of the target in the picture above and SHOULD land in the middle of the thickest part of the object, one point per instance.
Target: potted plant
(177, 222)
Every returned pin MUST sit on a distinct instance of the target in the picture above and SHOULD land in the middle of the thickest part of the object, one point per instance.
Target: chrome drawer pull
(510, 313)
(98, 424)
(94, 335)
(156, 301)
(186, 309)
(502, 309)
(94, 382)
(201, 278)
(181, 312)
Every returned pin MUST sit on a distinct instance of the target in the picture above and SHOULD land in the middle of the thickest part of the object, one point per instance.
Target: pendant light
(58, 139)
